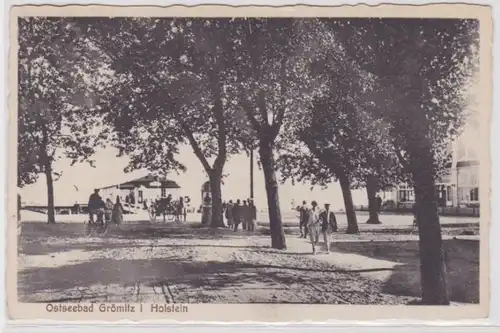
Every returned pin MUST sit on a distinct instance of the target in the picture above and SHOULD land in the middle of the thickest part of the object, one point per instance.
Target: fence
(444, 211)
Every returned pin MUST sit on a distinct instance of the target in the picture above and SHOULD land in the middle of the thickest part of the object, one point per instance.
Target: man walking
(244, 215)
(303, 219)
(328, 225)
(252, 214)
(229, 214)
(236, 214)
(313, 225)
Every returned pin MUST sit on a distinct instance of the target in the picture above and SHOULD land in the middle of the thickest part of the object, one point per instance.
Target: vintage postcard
(269, 164)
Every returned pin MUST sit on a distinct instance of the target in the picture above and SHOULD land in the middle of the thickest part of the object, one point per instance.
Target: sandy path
(175, 264)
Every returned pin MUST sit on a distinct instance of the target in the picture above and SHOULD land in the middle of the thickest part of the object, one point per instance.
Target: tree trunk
(50, 193)
(352, 223)
(216, 192)
(275, 223)
(371, 191)
(432, 256)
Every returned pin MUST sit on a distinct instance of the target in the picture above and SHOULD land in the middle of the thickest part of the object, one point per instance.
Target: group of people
(314, 221)
(105, 210)
(167, 205)
(240, 213)
(157, 201)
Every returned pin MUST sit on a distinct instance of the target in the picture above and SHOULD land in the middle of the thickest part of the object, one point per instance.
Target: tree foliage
(171, 90)
(56, 92)
(57, 73)
(271, 82)
(423, 69)
(341, 139)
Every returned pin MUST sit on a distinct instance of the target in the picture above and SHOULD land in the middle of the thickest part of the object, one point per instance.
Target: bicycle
(100, 226)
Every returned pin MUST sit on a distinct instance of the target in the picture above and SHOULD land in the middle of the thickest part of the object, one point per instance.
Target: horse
(165, 207)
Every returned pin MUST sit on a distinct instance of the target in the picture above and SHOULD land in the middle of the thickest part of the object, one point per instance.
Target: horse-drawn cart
(170, 210)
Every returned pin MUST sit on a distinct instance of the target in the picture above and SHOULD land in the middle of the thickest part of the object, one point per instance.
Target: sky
(77, 182)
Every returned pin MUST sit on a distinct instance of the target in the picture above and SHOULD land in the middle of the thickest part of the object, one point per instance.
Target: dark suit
(236, 215)
(96, 206)
(328, 221)
(328, 225)
(304, 219)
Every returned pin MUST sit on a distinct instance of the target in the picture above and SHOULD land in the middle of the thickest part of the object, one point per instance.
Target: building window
(442, 194)
(474, 194)
(449, 193)
(406, 195)
(468, 194)
(140, 196)
(163, 192)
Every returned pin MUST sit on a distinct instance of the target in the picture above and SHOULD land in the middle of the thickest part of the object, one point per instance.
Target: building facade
(459, 186)
(137, 191)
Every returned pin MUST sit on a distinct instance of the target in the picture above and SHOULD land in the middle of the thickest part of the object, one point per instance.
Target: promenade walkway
(182, 263)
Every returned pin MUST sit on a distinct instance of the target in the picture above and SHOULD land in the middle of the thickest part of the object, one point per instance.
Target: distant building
(147, 188)
(460, 184)
(137, 190)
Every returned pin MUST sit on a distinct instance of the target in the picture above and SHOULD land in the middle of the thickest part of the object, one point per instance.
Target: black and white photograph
(170, 161)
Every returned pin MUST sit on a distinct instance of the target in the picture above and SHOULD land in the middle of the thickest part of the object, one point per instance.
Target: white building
(138, 190)
(460, 186)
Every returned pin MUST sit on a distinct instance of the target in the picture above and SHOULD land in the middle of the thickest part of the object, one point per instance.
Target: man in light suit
(313, 225)
(328, 225)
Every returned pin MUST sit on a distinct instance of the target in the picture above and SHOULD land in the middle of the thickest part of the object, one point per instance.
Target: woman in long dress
(108, 210)
(117, 212)
(180, 209)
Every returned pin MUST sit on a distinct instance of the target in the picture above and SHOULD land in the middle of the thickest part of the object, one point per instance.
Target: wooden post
(251, 173)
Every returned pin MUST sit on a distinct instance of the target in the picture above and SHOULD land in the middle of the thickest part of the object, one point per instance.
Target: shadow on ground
(462, 262)
(293, 274)
(448, 230)
(35, 237)
(291, 284)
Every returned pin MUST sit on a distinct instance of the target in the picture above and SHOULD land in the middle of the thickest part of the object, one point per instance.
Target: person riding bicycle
(96, 206)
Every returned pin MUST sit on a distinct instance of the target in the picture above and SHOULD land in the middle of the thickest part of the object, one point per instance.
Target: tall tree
(56, 98)
(338, 130)
(423, 69)
(171, 92)
(271, 58)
